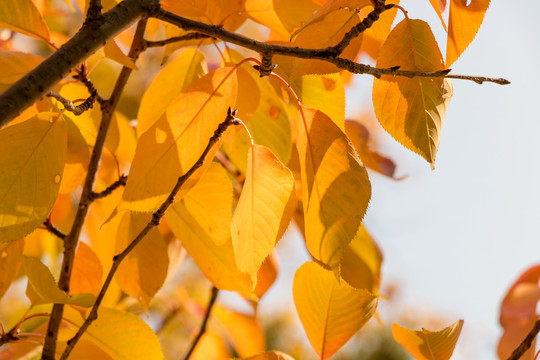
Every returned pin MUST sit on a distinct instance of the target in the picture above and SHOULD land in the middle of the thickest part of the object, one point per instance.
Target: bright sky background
(456, 238)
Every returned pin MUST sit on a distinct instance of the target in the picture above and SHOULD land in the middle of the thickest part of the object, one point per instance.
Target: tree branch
(108, 191)
(91, 37)
(156, 218)
(213, 296)
(190, 36)
(71, 240)
(68, 105)
(53, 229)
(526, 343)
(327, 54)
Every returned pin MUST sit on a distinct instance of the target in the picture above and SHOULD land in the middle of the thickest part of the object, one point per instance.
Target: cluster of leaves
(227, 193)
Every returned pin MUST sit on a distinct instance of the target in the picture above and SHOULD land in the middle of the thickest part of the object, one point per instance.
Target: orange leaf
(113, 52)
(271, 355)
(87, 271)
(438, 6)
(15, 65)
(10, 261)
(374, 37)
(464, 22)
(267, 275)
(243, 331)
(331, 313)
(428, 345)
(412, 109)
(23, 16)
(211, 346)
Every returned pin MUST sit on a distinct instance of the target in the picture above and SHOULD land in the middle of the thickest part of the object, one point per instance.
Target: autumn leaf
(463, 24)
(113, 52)
(32, 162)
(24, 17)
(15, 65)
(175, 142)
(412, 109)
(426, 344)
(87, 271)
(42, 288)
(263, 211)
(10, 261)
(211, 346)
(271, 355)
(331, 313)
(335, 186)
(374, 37)
(267, 274)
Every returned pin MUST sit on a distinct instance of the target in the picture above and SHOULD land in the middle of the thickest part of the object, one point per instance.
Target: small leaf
(242, 330)
(271, 355)
(426, 344)
(335, 187)
(264, 210)
(32, 163)
(113, 52)
(211, 346)
(24, 17)
(331, 313)
(464, 22)
(10, 261)
(439, 6)
(87, 271)
(412, 110)
(42, 287)
(267, 275)
(167, 85)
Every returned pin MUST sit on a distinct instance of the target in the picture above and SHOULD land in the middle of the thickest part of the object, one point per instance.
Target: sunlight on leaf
(15, 65)
(426, 344)
(264, 210)
(271, 355)
(23, 16)
(87, 271)
(10, 261)
(211, 346)
(32, 163)
(113, 52)
(331, 313)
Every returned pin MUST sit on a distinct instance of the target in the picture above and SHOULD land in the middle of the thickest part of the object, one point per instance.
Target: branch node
(267, 66)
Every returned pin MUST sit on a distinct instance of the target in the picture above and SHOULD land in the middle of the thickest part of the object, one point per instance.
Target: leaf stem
(213, 296)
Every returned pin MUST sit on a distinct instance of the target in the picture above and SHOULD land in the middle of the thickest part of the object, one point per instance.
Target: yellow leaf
(143, 271)
(23, 16)
(87, 271)
(42, 287)
(361, 263)
(271, 355)
(32, 162)
(412, 109)
(211, 347)
(113, 52)
(335, 187)
(10, 261)
(211, 196)
(331, 313)
(15, 65)
(228, 13)
(242, 330)
(263, 211)
(167, 85)
(463, 24)
(175, 142)
(428, 345)
(118, 334)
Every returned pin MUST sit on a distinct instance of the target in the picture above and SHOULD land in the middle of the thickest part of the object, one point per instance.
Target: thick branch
(156, 218)
(92, 36)
(327, 54)
(526, 343)
(213, 297)
(70, 242)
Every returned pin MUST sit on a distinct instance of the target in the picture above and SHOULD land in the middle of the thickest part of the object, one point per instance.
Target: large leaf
(42, 288)
(32, 162)
(167, 85)
(331, 313)
(23, 16)
(464, 22)
(335, 187)
(190, 221)
(412, 109)
(426, 344)
(10, 261)
(174, 143)
(15, 65)
(264, 210)
(143, 271)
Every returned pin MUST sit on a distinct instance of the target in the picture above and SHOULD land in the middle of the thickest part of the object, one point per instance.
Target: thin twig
(190, 36)
(70, 243)
(327, 54)
(68, 105)
(108, 191)
(156, 219)
(53, 229)
(82, 76)
(213, 296)
(526, 343)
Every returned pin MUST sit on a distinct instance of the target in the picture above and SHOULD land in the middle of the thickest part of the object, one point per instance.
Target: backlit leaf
(24, 17)
(32, 162)
(335, 186)
(174, 143)
(211, 196)
(267, 274)
(374, 37)
(87, 271)
(463, 24)
(242, 330)
(42, 287)
(426, 344)
(167, 85)
(113, 52)
(412, 110)
(331, 313)
(10, 261)
(15, 65)
(211, 346)
(439, 6)
(143, 271)
(271, 355)
(263, 211)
